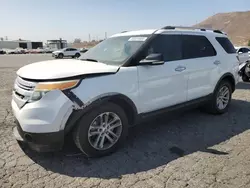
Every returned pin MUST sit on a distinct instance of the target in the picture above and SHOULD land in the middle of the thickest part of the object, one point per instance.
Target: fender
(224, 76)
(97, 101)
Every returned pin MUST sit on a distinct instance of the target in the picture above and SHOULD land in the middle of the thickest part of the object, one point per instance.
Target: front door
(163, 85)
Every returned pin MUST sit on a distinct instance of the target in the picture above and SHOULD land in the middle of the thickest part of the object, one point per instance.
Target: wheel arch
(227, 76)
(123, 101)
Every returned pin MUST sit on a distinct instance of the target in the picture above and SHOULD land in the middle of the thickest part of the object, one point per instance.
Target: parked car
(243, 54)
(2, 51)
(10, 51)
(127, 78)
(66, 52)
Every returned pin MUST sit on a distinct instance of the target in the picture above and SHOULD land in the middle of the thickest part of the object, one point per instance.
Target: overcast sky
(69, 19)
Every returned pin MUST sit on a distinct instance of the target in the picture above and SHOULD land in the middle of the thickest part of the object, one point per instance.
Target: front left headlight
(44, 87)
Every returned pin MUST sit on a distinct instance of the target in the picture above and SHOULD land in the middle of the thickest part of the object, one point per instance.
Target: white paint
(49, 114)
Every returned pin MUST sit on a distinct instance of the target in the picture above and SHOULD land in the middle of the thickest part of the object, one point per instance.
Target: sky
(42, 20)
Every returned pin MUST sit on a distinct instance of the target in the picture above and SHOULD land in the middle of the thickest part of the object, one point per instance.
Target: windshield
(115, 50)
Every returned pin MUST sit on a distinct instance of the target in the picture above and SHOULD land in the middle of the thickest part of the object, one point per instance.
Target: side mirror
(152, 59)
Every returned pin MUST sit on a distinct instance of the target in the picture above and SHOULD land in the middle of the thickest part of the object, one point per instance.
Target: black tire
(77, 55)
(245, 78)
(80, 133)
(60, 56)
(211, 107)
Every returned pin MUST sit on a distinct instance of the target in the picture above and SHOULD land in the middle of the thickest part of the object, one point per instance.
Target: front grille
(23, 90)
(24, 84)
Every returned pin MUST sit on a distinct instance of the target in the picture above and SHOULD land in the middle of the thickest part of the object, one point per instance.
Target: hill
(235, 24)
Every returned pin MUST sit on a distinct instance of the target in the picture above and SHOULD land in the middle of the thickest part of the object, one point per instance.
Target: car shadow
(153, 144)
(243, 85)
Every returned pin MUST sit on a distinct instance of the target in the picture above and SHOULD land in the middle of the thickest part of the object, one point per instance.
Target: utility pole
(105, 35)
(89, 38)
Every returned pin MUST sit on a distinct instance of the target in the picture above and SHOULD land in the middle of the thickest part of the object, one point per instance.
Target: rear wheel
(101, 131)
(77, 55)
(221, 98)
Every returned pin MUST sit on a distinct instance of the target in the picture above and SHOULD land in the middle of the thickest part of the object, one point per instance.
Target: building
(56, 44)
(25, 44)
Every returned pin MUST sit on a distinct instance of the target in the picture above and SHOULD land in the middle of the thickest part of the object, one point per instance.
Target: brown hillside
(235, 24)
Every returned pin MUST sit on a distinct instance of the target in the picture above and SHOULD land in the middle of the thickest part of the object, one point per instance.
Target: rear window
(226, 44)
(195, 46)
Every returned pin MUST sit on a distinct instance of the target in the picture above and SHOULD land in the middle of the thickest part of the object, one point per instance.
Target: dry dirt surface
(190, 150)
(235, 24)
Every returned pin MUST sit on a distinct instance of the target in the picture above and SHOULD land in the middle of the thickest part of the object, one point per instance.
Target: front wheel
(60, 56)
(101, 131)
(221, 98)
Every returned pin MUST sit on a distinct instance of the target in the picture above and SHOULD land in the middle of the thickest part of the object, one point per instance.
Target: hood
(57, 69)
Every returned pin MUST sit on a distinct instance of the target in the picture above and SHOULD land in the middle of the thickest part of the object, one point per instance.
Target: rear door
(201, 61)
(163, 85)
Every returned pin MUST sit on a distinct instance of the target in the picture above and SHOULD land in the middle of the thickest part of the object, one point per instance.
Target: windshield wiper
(87, 59)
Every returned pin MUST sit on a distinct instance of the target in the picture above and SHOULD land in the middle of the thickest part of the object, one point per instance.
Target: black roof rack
(193, 28)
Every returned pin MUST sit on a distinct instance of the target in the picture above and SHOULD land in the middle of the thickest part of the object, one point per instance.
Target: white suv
(66, 52)
(125, 79)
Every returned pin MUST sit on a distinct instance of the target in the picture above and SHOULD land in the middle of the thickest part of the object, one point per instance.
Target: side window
(195, 46)
(168, 45)
(68, 49)
(226, 44)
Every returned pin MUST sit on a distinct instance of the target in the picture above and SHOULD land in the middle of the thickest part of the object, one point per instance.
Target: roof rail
(193, 28)
(124, 31)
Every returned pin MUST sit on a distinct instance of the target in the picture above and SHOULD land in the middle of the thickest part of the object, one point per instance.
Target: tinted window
(168, 45)
(226, 44)
(197, 46)
(245, 50)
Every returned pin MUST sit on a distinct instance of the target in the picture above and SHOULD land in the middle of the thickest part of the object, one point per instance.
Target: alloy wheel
(105, 130)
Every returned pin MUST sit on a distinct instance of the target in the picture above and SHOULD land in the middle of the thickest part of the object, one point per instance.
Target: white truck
(126, 78)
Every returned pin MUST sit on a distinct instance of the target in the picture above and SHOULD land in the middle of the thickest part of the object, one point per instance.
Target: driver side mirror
(152, 59)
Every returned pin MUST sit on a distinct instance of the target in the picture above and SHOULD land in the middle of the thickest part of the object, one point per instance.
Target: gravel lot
(192, 149)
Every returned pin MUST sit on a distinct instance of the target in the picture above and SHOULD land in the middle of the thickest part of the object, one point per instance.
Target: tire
(212, 106)
(77, 55)
(86, 143)
(245, 78)
(60, 56)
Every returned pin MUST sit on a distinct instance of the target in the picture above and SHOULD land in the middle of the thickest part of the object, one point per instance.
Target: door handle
(180, 68)
(217, 62)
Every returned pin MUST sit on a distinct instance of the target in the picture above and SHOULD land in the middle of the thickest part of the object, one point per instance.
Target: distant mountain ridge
(235, 24)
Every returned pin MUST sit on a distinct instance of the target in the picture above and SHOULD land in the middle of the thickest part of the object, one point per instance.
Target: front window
(115, 50)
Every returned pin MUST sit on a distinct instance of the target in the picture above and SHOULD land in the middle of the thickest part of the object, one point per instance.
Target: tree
(249, 43)
(1, 39)
(77, 40)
